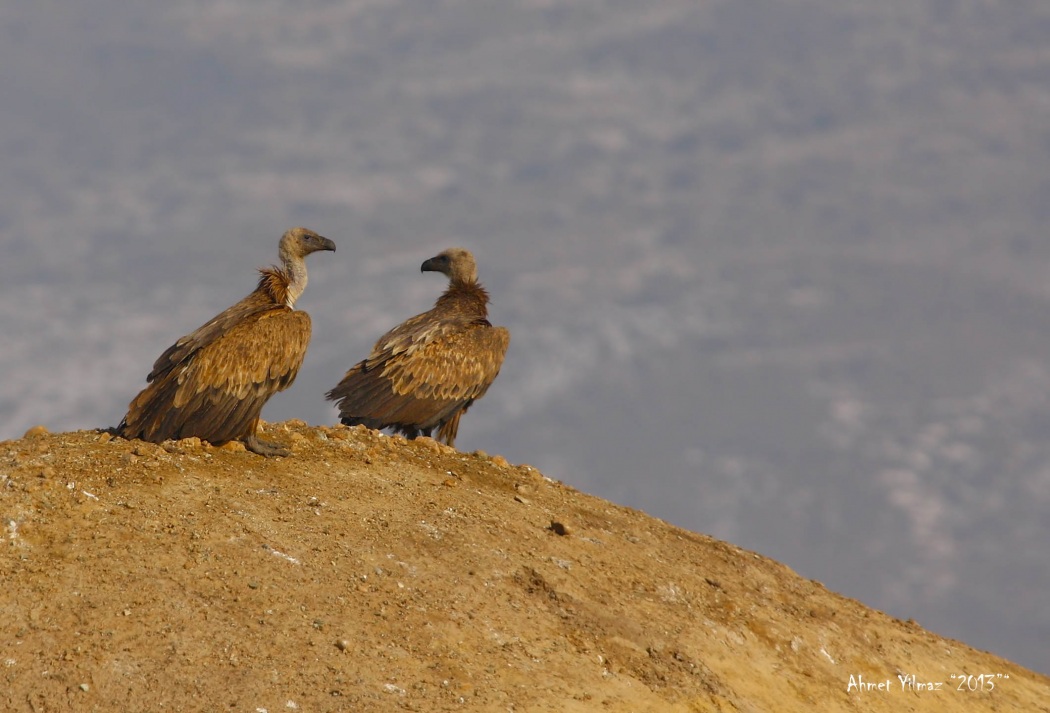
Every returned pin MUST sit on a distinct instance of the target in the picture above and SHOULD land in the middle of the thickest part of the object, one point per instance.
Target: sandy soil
(367, 573)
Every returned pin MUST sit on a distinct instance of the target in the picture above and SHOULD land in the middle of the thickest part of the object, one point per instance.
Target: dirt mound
(367, 573)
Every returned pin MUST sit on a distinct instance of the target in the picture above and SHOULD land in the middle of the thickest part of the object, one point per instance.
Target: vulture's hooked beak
(438, 263)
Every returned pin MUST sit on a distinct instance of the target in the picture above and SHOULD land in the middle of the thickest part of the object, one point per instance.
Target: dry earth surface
(369, 573)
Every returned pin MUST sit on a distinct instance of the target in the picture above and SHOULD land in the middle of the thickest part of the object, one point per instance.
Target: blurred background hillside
(774, 271)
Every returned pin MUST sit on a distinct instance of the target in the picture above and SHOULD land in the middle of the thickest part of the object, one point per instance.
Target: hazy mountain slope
(368, 573)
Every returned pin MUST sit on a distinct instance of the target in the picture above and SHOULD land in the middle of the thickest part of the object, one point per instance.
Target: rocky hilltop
(369, 573)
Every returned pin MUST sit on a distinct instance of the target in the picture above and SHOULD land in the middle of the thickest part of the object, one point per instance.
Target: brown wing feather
(422, 375)
(455, 363)
(207, 333)
(213, 383)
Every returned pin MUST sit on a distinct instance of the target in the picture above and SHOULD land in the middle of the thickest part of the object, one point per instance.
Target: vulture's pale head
(457, 263)
(300, 242)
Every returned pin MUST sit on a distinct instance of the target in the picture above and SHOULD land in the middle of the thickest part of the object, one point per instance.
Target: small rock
(342, 644)
(85, 687)
(36, 432)
(500, 462)
(525, 501)
(105, 437)
(558, 528)
(233, 447)
(428, 443)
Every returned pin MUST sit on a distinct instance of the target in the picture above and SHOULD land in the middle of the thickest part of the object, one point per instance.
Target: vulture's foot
(265, 448)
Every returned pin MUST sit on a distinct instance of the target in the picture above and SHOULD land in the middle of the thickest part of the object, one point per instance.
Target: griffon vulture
(426, 372)
(214, 382)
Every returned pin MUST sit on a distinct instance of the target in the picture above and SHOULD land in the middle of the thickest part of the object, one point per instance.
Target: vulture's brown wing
(419, 373)
(218, 390)
(255, 358)
(207, 333)
(453, 363)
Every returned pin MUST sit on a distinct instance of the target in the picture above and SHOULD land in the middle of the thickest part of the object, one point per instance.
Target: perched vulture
(426, 372)
(214, 382)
